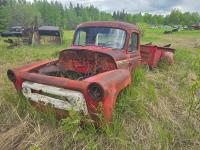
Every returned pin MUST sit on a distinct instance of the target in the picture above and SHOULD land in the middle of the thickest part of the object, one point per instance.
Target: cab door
(134, 51)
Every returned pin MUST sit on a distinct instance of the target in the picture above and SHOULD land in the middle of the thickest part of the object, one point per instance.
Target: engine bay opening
(78, 65)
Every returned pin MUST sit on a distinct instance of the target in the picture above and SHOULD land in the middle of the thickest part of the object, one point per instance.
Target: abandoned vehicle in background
(26, 36)
(18, 35)
(172, 31)
(196, 26)
(16, 31)
(91, 73)
(47, 35)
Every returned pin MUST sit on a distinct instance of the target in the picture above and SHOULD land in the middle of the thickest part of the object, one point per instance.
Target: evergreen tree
(4, 15)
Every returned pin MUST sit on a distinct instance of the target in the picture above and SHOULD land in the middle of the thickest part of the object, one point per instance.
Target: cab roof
(114, 24)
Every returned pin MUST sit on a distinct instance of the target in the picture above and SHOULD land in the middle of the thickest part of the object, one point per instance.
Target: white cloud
(136, 6)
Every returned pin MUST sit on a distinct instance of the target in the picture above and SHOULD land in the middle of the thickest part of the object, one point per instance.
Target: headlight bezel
(11, 76)
(95, 91)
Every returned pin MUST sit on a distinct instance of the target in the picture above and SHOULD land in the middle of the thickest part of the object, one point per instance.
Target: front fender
(112, 82)
(20, 71)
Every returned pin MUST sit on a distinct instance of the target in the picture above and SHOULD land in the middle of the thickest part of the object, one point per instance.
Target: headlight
(11, 75)
(96, 91)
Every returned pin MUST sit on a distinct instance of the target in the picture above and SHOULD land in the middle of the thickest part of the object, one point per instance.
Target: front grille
(57, 97)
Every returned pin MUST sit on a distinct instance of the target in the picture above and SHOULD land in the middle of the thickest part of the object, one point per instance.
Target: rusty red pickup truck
(92, 72)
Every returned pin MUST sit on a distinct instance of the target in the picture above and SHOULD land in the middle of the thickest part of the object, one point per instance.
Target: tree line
(54, 13)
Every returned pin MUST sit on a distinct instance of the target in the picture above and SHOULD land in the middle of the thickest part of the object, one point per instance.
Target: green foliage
(4, 17)
(25, 15)
(177, 17)
(194, 102)
(166, 135)
(151, 93)
(72, 122)
(34, 148)
(130, 102)
(138, 75)
(74, 133)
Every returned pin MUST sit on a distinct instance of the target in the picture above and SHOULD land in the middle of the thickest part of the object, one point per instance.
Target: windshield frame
(125, 40)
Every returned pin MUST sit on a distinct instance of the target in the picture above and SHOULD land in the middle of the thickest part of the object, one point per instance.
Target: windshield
(100, 36)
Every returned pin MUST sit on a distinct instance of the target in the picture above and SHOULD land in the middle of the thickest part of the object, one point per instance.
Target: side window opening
(133, 42)
(82, 38)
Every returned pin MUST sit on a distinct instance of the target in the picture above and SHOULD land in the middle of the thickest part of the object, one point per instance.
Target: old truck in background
(93, 71)
(17, 35)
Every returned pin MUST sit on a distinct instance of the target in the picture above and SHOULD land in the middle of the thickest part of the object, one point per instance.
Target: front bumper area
(59, 98)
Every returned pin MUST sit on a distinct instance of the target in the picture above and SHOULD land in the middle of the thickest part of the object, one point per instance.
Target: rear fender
(169, 56)
(168, 53)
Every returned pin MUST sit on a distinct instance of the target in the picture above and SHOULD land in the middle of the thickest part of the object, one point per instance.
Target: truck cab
(117, 38)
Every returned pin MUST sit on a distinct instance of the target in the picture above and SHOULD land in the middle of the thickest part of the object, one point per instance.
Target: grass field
(160, 110)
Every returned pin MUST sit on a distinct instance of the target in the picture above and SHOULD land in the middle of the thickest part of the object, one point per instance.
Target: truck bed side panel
(152, 54)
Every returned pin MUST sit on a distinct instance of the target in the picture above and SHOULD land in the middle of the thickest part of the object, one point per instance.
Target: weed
(34, 148)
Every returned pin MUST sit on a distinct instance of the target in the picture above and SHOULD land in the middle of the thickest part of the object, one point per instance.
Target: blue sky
(136, 6)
